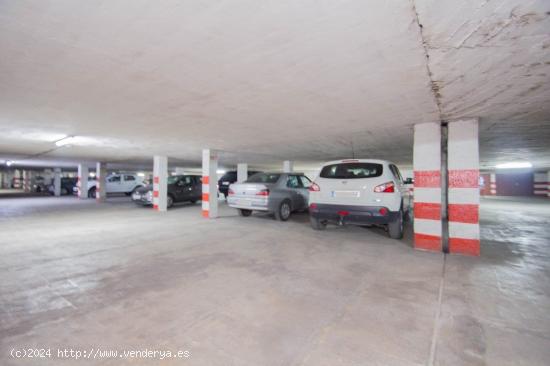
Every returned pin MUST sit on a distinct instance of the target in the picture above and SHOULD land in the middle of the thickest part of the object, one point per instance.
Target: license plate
(244, 203)
(345, 194)
(136, 196)
(225, 183)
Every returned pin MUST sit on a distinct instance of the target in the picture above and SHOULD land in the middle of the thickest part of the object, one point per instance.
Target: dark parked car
(67, 185)
(181, 188)
(39, 185)
(230, 178)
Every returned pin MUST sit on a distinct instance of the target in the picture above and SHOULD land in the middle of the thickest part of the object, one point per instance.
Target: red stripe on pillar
(463, 178)
(466, 213)
(205, 179)
(427, 242)
(205, 213)
(464, 246)
(156, 180)
(205, 196)
(427, 178)
(431, 211)
(155, 207)
(155, 193)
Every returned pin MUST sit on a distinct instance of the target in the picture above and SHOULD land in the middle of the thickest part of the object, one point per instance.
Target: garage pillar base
(209, 184)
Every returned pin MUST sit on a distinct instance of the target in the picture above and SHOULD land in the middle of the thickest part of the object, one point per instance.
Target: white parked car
(116, 183)
(359, 192)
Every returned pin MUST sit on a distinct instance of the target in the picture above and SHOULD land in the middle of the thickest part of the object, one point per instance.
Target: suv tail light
(314, 187)
(230, 192)
(263, 192)
(388, 187)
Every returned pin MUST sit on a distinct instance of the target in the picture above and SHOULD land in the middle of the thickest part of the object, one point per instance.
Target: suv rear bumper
(352, 215)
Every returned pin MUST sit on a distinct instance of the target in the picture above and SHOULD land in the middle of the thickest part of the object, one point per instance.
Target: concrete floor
(253, 291)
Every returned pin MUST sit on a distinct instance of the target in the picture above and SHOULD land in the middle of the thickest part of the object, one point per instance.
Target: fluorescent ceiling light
(140, 174)
(514, 165)
(220, 171)
(9, 162)
(64, 141)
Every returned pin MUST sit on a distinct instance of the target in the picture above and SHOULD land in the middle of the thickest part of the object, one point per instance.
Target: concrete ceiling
(265, 81)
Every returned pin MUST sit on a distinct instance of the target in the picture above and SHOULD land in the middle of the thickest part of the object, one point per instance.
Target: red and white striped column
(493, 184)
(160, 183)
(100, 186)
(209, 184)
(463, 193)
(82, 181)
(541, 184)
(427, 186)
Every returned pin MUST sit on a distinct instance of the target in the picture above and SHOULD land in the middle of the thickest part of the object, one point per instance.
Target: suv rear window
(264, 178)
(351, 171)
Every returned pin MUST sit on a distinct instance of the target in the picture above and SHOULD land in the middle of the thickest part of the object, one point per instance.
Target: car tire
(91, 193)
(283, 211)
(317, 224)
(193, 202)
(245, 213)
(169, 201)
(395, 228)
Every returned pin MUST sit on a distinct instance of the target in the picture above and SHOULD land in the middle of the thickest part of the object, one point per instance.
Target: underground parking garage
(275, 183)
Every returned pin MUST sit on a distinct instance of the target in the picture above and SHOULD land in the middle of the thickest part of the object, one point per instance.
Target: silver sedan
(277, 193)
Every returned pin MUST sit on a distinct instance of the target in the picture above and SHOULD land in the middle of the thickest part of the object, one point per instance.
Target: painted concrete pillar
(57, 182)
(160, 183)
(540, 184)
(493, 184)
(82, 182)
(463, 182)
(101, 182)
(26, 181)
(242, 172)
(427, 186)
(209, 184)
(288, 166)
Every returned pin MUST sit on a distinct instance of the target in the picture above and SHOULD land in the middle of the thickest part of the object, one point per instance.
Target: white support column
(427, 186)
(160, 183)
(57, 182)
(82, 182)
(101, 182)
(26, 181)
(493, 184)
(242, 172)
(288, 166)
(209, 184)
(463, 178)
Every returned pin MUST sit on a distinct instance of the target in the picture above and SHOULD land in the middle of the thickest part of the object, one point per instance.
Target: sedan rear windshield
(351, 171)
(264, 178)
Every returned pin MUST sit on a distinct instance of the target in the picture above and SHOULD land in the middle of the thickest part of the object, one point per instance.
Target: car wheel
(91, 193)
(193, 202)
(395, 228)
(169, 201)
(244, 212)
(283, 212)
(317, 224)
